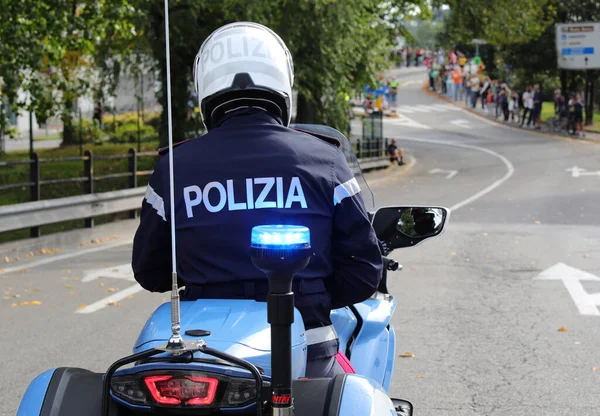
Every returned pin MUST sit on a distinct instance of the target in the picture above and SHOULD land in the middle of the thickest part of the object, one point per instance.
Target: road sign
(571, 278)
(578, 45)
(477, 60)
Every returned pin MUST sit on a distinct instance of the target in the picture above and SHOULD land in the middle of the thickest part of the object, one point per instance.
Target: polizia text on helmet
(223, 195)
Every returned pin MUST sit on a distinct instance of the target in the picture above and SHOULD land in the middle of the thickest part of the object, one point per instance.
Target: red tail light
(174, 390)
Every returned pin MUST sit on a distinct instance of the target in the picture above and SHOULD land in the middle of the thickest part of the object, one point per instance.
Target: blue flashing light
(280, 236)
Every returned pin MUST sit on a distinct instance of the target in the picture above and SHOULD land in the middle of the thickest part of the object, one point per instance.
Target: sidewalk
(490, 114)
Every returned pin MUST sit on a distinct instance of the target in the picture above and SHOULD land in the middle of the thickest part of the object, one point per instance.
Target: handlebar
(391, 265)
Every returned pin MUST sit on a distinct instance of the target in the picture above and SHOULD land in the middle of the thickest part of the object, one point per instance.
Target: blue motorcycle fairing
(373, 345)
(238, 327)
(33, 399)
(344, 321)
(389, 368)
(364, 397)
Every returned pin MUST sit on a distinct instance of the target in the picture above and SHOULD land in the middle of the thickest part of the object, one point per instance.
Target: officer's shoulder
(324, 142)
(165, 150)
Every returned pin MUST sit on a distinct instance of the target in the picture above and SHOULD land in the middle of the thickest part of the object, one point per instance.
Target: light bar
(280, 236)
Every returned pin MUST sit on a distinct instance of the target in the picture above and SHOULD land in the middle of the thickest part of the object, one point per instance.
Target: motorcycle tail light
(184, 389)
(178, 389)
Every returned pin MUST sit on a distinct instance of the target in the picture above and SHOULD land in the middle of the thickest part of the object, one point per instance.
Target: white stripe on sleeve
(345, 190)
(156, 201)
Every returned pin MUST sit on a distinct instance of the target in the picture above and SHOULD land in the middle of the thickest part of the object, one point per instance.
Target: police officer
(251, 169)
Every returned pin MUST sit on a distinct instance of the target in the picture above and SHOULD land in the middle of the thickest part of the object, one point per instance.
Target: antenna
(176, 341)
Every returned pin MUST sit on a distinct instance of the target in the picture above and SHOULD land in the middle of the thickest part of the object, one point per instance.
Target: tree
(52, 49)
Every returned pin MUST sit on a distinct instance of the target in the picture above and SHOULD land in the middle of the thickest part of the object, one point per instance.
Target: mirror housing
(407, 226)
(403, 407)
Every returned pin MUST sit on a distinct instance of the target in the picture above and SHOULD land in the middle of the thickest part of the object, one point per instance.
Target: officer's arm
(152, 242)
(357, 262)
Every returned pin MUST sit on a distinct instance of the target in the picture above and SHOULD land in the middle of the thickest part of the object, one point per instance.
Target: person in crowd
(475, 83)
(393, 94)
(457, 78)
(513, 106)
(559, 104)
(98, 114)
(485, 90)
(503, 99)
(537, 106)
(527, 106)
(467, 84)
(578, 113)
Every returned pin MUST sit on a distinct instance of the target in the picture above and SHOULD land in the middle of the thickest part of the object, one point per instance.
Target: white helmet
(241, 65)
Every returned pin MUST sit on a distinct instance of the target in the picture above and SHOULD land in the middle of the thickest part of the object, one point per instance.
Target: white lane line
(405, 109)
(422, 108)
(63, 257)
(112, 298)
(509, 167)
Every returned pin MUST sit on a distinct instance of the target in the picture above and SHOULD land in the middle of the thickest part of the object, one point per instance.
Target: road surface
(477, 306)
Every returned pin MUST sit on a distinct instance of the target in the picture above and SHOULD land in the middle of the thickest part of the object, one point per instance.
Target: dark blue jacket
(251, 170)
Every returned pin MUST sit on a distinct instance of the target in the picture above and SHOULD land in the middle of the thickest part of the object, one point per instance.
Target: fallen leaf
(30, 254)
(43, 251)
(420, 376)
(538, 222)
(81, 307)
(485, 234)
(467, 260)
(594, 368)
(69, 286)
(6, 259)
(23, 303)
(14, 304)
(130, 297)
(562, 329)
(101, 284)
(116, 237)
(82, 244)
(6, 297)
(577, 342)
(112, 289)
(72, 292)
(16, 296)
(111, 303)
(35, 302)
(7, 292)
(407, 354)
(453, 253)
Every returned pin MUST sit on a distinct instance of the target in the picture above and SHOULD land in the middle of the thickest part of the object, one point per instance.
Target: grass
(49, 137)
(59, 170)
(548, 113)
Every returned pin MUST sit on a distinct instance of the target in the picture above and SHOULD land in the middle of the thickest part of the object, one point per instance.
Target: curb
(499, 124)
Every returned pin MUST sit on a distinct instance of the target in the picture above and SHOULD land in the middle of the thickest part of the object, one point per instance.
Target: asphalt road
(483, 331)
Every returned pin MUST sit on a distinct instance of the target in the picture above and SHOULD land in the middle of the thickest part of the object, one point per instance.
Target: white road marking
(451, 173)
(509, 167)
(404, 121)
(54, 258)
(422, 108)
(571, 278)
(577, 172)
(123, 271)
(120, 295)
(461, 123)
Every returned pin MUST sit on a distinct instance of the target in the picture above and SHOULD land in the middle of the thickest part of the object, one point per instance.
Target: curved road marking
(509, 167)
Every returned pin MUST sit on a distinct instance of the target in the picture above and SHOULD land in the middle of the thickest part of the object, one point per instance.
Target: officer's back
(251, 169)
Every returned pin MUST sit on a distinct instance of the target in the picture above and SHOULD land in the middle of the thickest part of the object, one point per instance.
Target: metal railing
(38, 212)
(88, 179)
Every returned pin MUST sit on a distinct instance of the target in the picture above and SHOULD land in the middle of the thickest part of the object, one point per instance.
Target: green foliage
(128, 133)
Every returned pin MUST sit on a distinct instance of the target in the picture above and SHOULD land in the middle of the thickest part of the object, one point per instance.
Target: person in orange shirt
(457, 77)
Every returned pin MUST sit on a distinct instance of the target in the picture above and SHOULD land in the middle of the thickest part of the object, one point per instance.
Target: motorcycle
(243, 357)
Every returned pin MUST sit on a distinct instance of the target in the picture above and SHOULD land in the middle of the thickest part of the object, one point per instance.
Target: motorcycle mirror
(403, 407)
(407, 226)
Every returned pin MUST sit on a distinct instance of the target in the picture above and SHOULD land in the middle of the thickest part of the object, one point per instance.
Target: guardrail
(88, 179)
(38, 213)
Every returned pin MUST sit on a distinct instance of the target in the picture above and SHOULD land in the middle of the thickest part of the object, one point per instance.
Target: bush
(128, 133)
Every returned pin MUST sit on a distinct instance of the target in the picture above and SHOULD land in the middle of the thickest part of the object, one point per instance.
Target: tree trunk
(589, 97)
(563, 84)
(305, 110)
